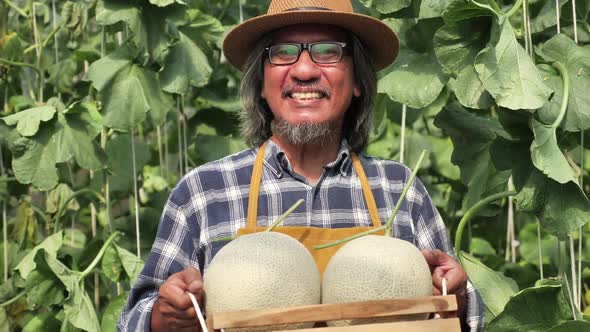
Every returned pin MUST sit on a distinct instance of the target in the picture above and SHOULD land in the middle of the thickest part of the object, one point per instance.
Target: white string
(444, 286)
(199, 314)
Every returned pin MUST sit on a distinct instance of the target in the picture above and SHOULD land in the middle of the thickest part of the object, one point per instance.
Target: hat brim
(380, 41)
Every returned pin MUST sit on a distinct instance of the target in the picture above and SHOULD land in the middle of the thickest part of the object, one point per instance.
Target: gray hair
(256, 116)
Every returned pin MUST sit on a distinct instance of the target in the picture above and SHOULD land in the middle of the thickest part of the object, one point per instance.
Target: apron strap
(255, 188)
(369, 199)
(251, 221)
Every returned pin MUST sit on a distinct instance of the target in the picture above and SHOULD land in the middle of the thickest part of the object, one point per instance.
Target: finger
(190, 275)
(436, 257)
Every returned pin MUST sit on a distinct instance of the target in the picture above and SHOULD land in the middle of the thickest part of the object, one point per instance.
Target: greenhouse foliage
(107, 103)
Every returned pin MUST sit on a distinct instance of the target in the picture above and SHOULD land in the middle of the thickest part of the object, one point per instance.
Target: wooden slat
(337, 311)
(446, 325)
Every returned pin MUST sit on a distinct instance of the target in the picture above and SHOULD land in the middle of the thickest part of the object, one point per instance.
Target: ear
(356, 91)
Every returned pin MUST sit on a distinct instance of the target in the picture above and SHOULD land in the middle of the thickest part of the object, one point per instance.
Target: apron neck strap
(251, 220)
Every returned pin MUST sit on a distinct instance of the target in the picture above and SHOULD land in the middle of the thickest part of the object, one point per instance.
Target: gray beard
(305, 133)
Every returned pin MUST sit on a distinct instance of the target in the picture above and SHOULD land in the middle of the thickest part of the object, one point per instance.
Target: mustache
(288, 90)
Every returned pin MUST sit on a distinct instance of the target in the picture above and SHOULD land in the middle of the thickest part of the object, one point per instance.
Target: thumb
(435, 257)
(192, 279)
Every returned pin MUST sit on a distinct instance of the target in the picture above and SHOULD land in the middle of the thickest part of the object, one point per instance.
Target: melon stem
(285, 215)
(389, 223)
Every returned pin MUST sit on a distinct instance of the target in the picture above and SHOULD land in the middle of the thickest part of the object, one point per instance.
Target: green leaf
(164, 3)
(457, 44)
(460, 10)
(547, 156)
(70, 136)
(479, 246)
(111, 264)
(50, 245)
(509, 74)
(128, 91)
(42, 286)
(494, 288)
(78, 307)
(422, 76)
(58, 196)
(472, 138)
(26, 224)
(576, 59)
(43, 321)
(470, 91)
(61, 75)
(214, 147)
(533, 309)
(209, 99)
(388, 6)
(571, 326)
(112, 312)
(546, 18)
(131, 263)
(185, 65)
(433, 8)
(4, 321)
(28, 121)
(120, 164)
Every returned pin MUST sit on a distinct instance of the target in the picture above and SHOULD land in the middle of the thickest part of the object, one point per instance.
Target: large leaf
(58, 196)
(215, 147)
(472, 138)
(149, 24)
(547, 156)
(508, 73)
(470, 91)
(71, 135)
(546, 17)
(120, 164)
(422, 77)
(185, 65)
(571, 326)
(433, 8)
(112, 312)
(459, 10)
(457, 44)
(576, 59)
(28, 121)
(43, 321)
(529, 245)
(495, 289)
(128, 91)
(534, 309)
(42, 286)
(388, 6)
(50, 245)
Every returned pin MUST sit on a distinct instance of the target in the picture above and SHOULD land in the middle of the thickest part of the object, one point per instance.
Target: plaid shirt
(211, 203)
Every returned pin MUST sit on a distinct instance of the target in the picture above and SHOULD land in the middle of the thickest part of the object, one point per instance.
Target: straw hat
(377, 37)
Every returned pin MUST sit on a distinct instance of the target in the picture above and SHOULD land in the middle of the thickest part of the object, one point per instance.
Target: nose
(305, 69)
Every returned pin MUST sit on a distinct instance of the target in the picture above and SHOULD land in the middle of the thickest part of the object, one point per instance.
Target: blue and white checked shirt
(211, 203)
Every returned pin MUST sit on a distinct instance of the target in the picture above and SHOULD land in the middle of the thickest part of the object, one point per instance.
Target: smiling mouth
(307, 95)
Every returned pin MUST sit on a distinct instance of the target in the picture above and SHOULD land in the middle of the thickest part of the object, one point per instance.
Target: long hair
(256, 117)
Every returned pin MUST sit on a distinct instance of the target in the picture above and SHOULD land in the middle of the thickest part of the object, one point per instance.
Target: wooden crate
(327, 312)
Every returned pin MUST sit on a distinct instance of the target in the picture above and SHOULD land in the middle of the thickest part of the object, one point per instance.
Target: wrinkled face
(306, 92)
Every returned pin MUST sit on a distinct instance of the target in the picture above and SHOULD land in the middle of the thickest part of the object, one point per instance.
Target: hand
(174, 311)
(444, 266)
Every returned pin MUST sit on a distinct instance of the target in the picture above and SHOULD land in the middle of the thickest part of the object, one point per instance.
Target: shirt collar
(276, 160)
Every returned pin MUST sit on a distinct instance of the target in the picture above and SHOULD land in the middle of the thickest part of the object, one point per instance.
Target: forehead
(308, 33)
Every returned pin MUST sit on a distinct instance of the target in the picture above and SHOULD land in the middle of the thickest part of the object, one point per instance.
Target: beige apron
(310, 236)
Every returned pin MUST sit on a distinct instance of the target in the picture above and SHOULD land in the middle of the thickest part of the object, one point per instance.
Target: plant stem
(540, 249)
(12, 300)
(389, 223)
(514, 8)
(472, 211)
(160, 152)
(19, 10)
(105, 179)
(285, 215)
(4, 218)
(180, 149)
(573, 271)
(45, 42)
(18, 64)
(135, 194)
(404, 192)
(98, 257)
(565, 97)
(402, 138)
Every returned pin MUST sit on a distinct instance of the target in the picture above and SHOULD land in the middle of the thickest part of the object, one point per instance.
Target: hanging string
(403, 134)
(558, 14)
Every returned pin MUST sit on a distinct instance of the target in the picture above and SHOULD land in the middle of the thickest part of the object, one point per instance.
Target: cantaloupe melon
(376, 267)
(262, 271)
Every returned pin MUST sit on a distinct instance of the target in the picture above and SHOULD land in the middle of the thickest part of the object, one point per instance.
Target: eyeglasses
(321, 52)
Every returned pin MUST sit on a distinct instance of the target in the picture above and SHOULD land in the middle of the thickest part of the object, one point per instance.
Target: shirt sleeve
(431, 233)
(173, 251)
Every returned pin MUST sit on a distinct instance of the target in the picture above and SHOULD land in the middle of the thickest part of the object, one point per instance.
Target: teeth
(306, 95)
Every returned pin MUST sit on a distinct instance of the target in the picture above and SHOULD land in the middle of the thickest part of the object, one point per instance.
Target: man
(308, 88)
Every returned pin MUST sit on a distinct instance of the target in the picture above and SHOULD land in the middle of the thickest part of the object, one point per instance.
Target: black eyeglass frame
(302, 47)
